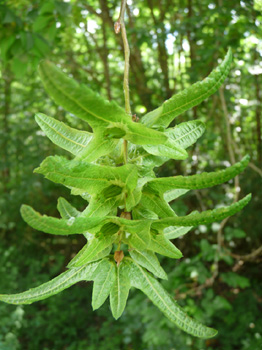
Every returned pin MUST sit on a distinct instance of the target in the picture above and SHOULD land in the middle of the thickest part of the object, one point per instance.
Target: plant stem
(120, 26)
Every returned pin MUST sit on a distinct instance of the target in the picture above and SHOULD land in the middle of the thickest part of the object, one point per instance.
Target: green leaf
(147, 259)
(91, 250)
(66, 210)
(137, 232)
(205, 217)
(152, 201)
(142, 213)
(89, 106)
(174, 194)
(142, 280)
(103, 281)
(173, 232)
(186, 134)
(97, 147)
(72, 140)
(99, 206)
(56, 285)
(79, 99)
(89, 177)
(133, 198)
(198, 181)
(140, 135)
(120, 290)
(188, 98)
(170, 149)
(161, 245)
(56, 226)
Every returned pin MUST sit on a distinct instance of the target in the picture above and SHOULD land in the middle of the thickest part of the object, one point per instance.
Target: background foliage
(173, 44)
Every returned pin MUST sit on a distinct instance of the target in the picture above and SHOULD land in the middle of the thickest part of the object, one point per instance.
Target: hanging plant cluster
(128, 219)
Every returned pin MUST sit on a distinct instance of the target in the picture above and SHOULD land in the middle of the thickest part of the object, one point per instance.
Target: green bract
(128, 212)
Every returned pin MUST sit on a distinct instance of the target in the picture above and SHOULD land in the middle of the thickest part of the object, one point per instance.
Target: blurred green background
(173, 44)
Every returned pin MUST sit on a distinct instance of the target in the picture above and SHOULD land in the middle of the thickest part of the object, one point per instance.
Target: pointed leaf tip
(188, 98)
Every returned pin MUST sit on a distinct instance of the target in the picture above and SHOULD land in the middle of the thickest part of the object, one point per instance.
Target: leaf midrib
(53, 287)
(199, 97)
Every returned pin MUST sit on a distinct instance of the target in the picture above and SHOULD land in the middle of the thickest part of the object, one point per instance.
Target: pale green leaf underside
(103, 281)
(72, 140)
(119, 291)
(186, 134)
(66, 210)
(152, 201)
(190, 97)
(173, 232)
(101, 206)
(198, 181)
(179, 138)
(142, 280)
(99, 146)
(56, 285)
(56, 226)
(161, 245)
(203, 218)
(137, 232)
(91, 250)
(169, 149)
(174, 194)
(139, 134)
(148, 259)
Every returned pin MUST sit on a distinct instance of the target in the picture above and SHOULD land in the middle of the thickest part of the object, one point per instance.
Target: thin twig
(248, 257)
(255, 168)
(120, 26)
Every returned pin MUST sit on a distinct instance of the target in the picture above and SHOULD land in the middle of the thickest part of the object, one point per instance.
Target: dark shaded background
(173, 44)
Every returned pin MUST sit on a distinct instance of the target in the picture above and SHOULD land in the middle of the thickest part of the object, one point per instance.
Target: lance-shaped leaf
(186, 134)
(136, 133)
(119, 291)
(89, 106)
(179, 138)
(169, 196)
(137, 232)
(148, 259)
(72, 140)
(99, 146)
(79, 99)
(170, 149)
(133, 198)
(198, 181)
(142, 280)
(99, 206)
(142, 213)
(205, 217)
(56, 226)
(150, 161)
(91, 250)
(173, 232)
(190, 97)
(103, 281)
(152, 201)
(161, 245)
(66, 210)
(86, 176)
(56, 285)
